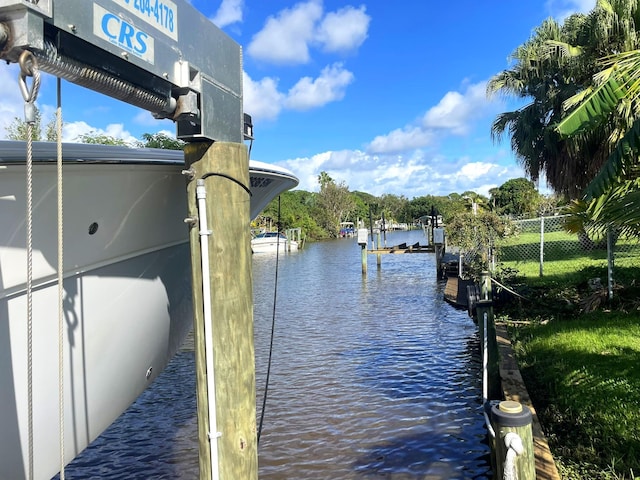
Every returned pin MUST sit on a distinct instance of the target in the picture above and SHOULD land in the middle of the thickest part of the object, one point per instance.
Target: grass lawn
(584, 375)
(579, 352)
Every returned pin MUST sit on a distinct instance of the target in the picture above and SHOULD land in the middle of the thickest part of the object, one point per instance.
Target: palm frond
(623, 156)
(563, 48)
(603, 100)
(605, 5)
(617, 209)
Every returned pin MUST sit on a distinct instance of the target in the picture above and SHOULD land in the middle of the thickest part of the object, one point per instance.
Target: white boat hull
(273, 247)
(272, 242)
(127, 298)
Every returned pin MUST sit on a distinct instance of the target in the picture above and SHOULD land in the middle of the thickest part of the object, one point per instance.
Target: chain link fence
(541, 246)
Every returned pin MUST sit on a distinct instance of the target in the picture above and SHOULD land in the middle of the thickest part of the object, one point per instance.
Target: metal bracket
(160, 55)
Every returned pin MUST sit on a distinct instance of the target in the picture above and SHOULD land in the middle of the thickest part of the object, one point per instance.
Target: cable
(273, 328)
(508, 289)
(229, 177)
(60, 280)
(29, 67)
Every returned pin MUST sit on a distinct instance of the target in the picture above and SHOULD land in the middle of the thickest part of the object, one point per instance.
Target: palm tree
(613, 99)
(555, 65)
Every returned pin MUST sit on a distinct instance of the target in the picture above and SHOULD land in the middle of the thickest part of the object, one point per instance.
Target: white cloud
(456, 110)
(285, 38)
(229, 12)
(261, 99)
(73, 130)
(409, 175)
(146, 119)
(456, 113)
(475, 170)
(344, 29)
(328, 87)
(401, 140)
(12, 105)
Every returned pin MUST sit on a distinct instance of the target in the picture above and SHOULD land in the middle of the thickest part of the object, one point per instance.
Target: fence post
(610, 263)
(541, 245)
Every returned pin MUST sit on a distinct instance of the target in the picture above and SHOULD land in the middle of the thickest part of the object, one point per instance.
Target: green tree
(613, 99)
(17, 130)
(362, 201)
(102, 139)
(474, 202)
(517, 196)
(334, 202)
(161, 140)
(477, 235)
(551, 67)
(393, 207)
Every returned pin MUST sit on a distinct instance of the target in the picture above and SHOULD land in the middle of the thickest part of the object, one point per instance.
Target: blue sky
(387, 97)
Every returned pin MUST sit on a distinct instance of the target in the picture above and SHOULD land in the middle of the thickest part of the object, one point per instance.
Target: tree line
(320, 213)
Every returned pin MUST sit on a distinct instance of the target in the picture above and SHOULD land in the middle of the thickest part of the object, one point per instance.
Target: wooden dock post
(439, 248)
(486, 292)
(224, 167)
(514, 441)
(363, 239)
(364, 259)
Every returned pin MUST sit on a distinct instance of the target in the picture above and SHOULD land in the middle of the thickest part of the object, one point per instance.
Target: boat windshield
(270, 235)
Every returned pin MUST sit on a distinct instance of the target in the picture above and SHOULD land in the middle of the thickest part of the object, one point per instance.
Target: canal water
(372, 377)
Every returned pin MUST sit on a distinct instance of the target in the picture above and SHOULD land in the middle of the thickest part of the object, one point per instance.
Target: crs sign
(122, 33)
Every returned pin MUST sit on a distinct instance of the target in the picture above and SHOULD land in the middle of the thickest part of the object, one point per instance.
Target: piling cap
(510, 414)
(509, 406)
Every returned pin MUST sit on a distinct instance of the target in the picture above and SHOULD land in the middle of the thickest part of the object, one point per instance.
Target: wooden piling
(225, 170)
(511, 420)
(486, 292)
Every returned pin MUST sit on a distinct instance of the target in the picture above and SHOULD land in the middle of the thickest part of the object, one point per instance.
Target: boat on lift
(126, 298)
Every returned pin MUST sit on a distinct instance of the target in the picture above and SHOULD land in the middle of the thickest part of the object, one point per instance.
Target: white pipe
(485, 376)
(201, 195)
(485, 359)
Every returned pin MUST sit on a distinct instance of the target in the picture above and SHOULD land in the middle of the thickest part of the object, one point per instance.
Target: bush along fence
(541, 246)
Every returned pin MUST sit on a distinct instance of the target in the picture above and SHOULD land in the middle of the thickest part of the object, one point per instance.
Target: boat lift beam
(160, 55)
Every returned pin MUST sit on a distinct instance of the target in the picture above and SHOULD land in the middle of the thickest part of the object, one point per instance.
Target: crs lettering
(124, 34)
(119, 32)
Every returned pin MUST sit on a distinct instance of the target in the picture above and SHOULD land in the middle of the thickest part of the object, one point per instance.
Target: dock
(404, 248)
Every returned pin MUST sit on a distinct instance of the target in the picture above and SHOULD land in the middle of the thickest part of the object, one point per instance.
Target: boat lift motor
(160, 55)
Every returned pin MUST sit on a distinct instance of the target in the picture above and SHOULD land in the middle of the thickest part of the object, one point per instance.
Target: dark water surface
(373, 377)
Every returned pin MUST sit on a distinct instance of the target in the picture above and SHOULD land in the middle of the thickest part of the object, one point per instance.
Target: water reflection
(371, 378)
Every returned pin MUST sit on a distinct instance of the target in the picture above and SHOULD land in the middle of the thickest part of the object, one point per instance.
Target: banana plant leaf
(623, 158)
(602, 101)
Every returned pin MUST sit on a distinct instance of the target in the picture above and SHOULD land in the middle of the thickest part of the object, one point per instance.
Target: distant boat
(272, 242)
(127, 301)
(347, 230)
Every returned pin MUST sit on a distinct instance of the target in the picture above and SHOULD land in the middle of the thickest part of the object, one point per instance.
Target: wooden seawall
(512, 385)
